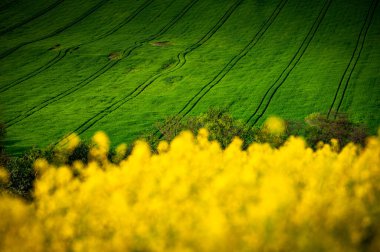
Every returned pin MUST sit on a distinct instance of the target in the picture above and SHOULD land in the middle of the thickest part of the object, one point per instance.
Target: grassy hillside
(120, 66)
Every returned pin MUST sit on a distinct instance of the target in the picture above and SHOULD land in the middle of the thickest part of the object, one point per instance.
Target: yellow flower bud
(4, 175)
(163, 146)
(275, 125)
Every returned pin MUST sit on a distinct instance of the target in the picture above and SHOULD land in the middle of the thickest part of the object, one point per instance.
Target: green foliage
(22, 174)
(320, 128)
(222, 127)
(79, 153)
(21, 171)
(220, 124)
(3, 156)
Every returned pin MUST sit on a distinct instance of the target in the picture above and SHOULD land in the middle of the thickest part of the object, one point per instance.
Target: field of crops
(122, 65)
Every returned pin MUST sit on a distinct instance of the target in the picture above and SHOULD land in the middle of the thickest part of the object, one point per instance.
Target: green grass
(56, 77)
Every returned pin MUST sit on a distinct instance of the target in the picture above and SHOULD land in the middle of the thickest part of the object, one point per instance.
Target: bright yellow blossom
(275, 125)
(4, 175)
(195, 196)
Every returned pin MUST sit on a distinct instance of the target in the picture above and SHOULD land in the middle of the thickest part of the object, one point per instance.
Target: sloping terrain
(120, 66)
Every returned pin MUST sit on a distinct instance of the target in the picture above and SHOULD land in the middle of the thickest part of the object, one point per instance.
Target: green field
(122, 65)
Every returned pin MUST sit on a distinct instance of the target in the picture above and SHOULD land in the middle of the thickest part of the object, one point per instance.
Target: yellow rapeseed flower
(73, 142)
(120, 152)
(195, 196)
(275, 125)
(41, 165)
(101, 140)
(4, 175)
(163, 146)
(335, 144)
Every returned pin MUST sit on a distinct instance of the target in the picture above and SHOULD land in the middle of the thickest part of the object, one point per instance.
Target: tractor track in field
(7, 5)
(91, 121)
(139, 89)
(99, 72)
(346, 77)
(292, 64)
(163, 11)
(227, 68)
(123, 23)
(182, 55)
(29, 19)
(60, 56)
(62, 95)
(30, 75)
(56, 32)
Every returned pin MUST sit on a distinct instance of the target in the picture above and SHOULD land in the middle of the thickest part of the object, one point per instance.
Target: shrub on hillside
(220, 124)
(320, 128)
(22, 175)
(3, 156)
(21, 172)
(222, 127)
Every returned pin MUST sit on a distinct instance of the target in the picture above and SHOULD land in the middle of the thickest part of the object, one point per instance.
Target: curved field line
(60, 96)
(7, 5)
(138, 90)
(56, 32)
(354, 58)
(97, 74)
(91, 121)
(227, 68)
(182, 55)
(58, 58)
(123, 23)
(30, 75)
(35, 16)
(162, 12)
(163, 30)
(292, 64)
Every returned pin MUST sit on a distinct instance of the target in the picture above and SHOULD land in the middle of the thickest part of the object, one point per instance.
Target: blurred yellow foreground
(194, 196)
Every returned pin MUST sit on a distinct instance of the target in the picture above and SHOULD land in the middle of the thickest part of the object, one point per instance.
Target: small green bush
(220, 124)
(21, 171)
(320, 128)
(3, 156)
(222, 127)
(22, 174)
(80, 153)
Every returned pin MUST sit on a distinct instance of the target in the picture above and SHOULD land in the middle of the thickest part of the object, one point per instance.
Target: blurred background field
(121, 66)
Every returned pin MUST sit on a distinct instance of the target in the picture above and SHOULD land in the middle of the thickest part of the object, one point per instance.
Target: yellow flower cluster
(274, 125)
(195, 196)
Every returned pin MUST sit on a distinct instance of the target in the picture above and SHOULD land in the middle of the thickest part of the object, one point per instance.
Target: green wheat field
(121, 66)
